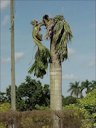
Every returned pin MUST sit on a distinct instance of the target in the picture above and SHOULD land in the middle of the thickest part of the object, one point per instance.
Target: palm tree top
(59, 32)
(74, 89)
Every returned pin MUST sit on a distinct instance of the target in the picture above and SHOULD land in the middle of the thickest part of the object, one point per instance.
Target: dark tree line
(31, 94)
(78, 89)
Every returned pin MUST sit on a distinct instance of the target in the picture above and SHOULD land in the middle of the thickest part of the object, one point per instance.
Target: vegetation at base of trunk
(71, 116)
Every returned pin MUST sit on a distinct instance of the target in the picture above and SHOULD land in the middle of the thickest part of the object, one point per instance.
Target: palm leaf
(40, 65)
(62, 34)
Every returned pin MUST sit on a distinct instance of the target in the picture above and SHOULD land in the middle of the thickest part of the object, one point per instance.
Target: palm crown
(61, 34)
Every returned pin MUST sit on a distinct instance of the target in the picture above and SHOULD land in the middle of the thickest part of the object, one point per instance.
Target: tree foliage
(58, 31)
(81, 116)
(62, 34)
(89, 103)
(30, 94)
(42, 55)
(3, 97)
(40, 65)
(78, 89)
(69, 100)
(74, 89)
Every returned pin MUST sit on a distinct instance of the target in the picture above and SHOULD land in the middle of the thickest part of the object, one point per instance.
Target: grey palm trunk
(55, 85)
(55, 80)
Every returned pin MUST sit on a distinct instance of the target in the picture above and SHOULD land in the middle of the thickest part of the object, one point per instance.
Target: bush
(31, 119)
(71, 116)
(89, 103)
(3, 108)
(76, 117)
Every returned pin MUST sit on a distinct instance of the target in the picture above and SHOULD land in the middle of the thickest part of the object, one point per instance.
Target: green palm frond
(42, 55)
(62, 34)
(40, 65)
(68, 31)
(58, 18)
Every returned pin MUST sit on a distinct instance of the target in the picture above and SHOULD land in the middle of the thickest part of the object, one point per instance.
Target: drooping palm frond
(42, 55)
(62, 34)
(40, 65)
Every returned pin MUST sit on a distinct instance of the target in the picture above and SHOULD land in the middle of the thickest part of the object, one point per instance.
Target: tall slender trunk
(13, 97)
(13, 92)
(55, 84)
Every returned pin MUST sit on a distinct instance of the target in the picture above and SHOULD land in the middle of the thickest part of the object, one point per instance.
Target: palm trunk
(56, 88)
(55, 84)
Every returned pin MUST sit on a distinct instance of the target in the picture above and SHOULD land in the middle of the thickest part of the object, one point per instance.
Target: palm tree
(59, 33)
(75, 89)
(93, 85)
(86, 85)
(59, 52)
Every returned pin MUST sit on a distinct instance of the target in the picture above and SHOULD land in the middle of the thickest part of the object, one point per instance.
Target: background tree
(69, 100)
(30, 95)
(86, 85)
(89, 103)
(3, 97)
(75, 89)
(93, 85)
(79, 90)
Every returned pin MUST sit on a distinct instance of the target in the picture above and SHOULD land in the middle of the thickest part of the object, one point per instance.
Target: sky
(80, 14)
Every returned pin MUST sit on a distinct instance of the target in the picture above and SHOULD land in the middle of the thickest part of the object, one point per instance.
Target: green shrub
(89, 103)
(70, 117)
(79, 117)
(4, 107)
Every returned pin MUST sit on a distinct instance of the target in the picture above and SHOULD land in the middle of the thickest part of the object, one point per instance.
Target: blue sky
(81, 17)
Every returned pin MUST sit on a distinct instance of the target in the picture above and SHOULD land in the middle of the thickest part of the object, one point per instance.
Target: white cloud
(71, 51)
(18, 56)
(4, 4)
(69, 77)
(5, 20)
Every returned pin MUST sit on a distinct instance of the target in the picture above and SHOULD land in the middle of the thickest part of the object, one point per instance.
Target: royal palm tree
(93, 85)
(59, 34)
(75, 89)
(86, 85)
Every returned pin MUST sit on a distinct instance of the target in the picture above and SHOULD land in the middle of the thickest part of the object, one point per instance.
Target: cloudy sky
(80, 14)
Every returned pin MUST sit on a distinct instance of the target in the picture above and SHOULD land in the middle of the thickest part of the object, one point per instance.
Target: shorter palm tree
(75, 89)
(86, 85)
(93, 85)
